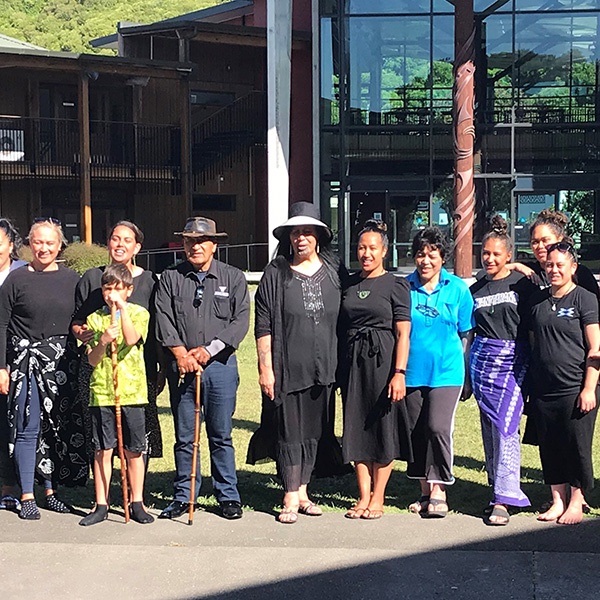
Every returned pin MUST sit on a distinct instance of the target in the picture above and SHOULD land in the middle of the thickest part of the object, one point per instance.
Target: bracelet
(401, 371)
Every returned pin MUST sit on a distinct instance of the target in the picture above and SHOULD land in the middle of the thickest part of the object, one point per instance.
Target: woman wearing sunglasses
(565, 335)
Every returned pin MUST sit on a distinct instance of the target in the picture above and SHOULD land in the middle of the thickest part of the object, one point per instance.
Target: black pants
(565, 440)
(8, 473)
(431, 420)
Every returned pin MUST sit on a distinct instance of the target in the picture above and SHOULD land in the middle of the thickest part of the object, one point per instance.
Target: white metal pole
(279, 72)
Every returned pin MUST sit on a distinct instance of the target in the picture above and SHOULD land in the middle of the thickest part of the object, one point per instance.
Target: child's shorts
(104, 427)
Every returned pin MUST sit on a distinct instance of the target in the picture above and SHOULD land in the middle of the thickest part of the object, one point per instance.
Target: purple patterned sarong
(498, 369)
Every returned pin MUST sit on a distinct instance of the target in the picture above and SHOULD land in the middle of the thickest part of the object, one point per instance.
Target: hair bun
(554, 216)
(376, 225)
(499, 226)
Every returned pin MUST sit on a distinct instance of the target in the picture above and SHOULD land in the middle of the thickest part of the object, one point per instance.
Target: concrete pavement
(399, 556)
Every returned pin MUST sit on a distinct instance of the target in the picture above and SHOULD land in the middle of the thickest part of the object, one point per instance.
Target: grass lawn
(259, 487)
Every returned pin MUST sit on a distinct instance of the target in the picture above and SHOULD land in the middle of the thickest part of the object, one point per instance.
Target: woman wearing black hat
(297, 306)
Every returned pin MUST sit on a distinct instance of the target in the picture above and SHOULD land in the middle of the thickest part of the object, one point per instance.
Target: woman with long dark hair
(10, 245)
(297, 305)
(124, 242)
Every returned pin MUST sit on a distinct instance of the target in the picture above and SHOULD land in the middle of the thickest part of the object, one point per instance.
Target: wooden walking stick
(113, 352)
(196, 444)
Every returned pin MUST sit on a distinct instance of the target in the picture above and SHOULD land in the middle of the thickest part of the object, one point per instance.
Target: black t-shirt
(559, 349)
(501, 305)
(36, 305)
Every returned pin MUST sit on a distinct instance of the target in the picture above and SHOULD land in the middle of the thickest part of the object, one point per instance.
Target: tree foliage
(69, 25)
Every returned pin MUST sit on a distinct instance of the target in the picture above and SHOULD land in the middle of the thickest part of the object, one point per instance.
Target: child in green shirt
(129, 332)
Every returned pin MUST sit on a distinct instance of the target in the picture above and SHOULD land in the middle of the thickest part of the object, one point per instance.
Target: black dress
(300, 313)
(375, 429)
(558, 366)
(88, 299)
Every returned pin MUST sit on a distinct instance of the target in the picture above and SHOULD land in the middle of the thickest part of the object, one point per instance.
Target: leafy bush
(80, 257)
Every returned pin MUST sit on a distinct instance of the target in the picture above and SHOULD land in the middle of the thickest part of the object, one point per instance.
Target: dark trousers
(28, 433)
(431, 418)
(218, 396)
(8, 474)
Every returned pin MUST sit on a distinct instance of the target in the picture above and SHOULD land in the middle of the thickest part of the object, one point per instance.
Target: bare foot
(553, 513)
(571, 516)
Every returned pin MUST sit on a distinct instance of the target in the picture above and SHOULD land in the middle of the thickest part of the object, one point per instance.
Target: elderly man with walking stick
(202, 315)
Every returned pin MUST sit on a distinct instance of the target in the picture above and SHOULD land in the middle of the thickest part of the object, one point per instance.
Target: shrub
(80, 257)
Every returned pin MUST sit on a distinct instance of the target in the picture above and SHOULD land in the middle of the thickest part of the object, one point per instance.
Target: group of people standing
(403, 352)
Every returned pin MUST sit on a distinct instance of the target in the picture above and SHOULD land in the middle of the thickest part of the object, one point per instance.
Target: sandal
(355, 512)
(288, 515)
(419, 506)
(499, 513)
(435, 514)
(10, 503)
(310, 509)
(371, 514)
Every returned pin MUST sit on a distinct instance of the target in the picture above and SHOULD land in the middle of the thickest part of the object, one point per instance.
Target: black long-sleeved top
(36, 305)
(224, 313)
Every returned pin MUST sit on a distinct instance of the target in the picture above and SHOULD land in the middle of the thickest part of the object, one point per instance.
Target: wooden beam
(84, 158)
(186, 188)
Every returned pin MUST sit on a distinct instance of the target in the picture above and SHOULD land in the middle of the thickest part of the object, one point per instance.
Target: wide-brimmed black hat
(201, 227)
(302, 213)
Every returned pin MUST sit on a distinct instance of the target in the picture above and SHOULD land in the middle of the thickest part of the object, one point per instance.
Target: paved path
(329, 557)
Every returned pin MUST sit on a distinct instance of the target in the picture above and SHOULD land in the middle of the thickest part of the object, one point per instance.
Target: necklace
(363, 294)
(554, 300)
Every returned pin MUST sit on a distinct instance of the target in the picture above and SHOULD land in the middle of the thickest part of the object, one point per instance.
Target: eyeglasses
(564, 247)
(198, 295)
(47, 220)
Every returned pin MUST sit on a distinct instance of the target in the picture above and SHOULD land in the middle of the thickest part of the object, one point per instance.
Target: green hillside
(69, 24)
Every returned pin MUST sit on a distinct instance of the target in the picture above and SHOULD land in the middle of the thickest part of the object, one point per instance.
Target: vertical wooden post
(279, 74)
(186, 187)
(463, 99)
(84, 158)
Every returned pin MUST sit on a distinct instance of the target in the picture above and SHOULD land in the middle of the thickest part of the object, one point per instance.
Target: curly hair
(498, 231)
(13, 236)
(555, 219)
(431, 237)
(376, 226)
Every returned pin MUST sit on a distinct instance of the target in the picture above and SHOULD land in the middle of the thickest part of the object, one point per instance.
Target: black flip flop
(435, 514)
(497, 512)
(423, 502)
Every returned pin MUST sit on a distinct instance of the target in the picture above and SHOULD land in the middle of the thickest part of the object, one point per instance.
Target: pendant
(554, 307)
(491, 311)
(362, 294)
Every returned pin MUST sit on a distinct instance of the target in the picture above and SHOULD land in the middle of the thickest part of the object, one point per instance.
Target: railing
(223, 139)
(50, 148)
(247, 257)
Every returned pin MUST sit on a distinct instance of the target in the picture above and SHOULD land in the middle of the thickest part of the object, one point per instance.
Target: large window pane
(330, 79)
(556, 67)
(392, 7)
(442, 79)
(496, 39)
(389, 70)
(556, 4)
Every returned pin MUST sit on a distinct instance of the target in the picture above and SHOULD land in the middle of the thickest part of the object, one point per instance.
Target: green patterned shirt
(131, 371)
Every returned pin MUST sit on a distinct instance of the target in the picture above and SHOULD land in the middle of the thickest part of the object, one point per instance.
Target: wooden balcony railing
(50, 149)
